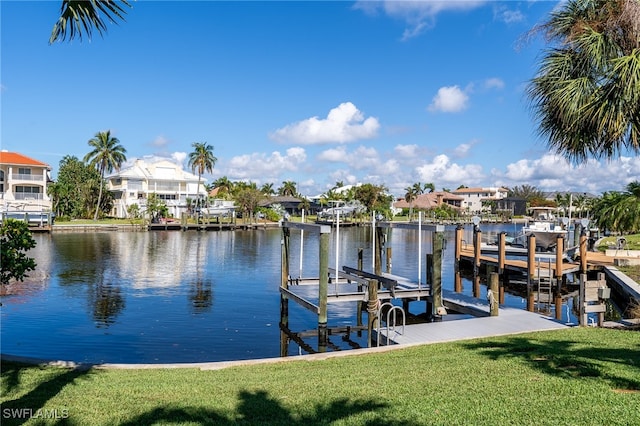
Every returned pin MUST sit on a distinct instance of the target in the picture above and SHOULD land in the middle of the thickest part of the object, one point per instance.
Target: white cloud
(265, 168)
(463, 149)
(179, 157)
(345, 123)
(442, 171)
(418, 15)
(406, 151)
(334, 155)
(508, 16)
(160, 142)
(494, 83)
(449, 99)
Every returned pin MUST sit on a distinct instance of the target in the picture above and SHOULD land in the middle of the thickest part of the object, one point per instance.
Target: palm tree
(224, 185)
(288, 188)
(267, 189)
(410, 196)
(586, 94)
(619, 211)
(77, 17)
(107, 154)
(202, 160)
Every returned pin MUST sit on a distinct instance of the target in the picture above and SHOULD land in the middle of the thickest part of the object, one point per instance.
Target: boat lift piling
(349, 283)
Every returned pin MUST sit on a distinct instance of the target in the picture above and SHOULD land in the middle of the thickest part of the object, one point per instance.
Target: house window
(24, 171)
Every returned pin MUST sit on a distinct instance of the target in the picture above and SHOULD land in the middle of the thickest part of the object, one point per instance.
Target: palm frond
(82, 17)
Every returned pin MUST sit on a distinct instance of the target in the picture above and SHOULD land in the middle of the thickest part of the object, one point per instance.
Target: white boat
(545, 227)
(219, 208)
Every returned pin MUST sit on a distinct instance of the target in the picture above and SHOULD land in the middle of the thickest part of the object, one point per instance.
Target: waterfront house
(23, 183)
(480, 200)
(139, 178)
(431, 200)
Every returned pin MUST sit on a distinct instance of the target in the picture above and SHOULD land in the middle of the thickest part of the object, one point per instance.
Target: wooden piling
(492, 292)
(502, 272)
(583, 253)
(323, 269)
(457, 285)
(531, 268)
(559, 276)
(437, 243)
(360, 262)
(477, 242)
(372, 311)
(388, 260)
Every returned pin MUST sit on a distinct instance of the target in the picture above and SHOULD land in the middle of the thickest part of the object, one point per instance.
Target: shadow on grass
(254, 407)
(564, 358)
(258, 408)
(18, 411)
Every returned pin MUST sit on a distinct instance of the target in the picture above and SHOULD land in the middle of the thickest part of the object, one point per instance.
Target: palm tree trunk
(95, 216)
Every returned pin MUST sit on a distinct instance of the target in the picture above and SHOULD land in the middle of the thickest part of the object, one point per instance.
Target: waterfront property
(23, 183)
(153, 175)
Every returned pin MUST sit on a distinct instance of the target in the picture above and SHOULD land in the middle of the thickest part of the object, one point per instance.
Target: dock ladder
(546, 280)
(391, 321)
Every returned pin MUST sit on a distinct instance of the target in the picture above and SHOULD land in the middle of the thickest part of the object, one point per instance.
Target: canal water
(171, 296)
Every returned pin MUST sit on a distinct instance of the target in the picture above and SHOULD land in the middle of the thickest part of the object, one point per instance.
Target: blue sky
(389, 92)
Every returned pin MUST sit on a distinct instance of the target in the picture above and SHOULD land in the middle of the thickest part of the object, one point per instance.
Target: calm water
(170, 296)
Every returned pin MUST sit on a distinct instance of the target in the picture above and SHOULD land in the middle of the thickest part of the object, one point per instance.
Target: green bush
(15, 241)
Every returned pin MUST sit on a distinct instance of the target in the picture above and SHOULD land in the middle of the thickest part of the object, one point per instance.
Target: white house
(23, 183)
(473, 198)
(140, 177)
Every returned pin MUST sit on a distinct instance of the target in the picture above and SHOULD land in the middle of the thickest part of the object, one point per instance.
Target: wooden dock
(466, 326)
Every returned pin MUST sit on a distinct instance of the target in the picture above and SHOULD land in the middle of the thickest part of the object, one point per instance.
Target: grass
(633, 242)
(578, 376)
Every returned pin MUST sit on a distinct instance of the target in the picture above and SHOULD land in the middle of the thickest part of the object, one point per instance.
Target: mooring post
(429, 274)
(372, 311)
(477, 241)
(577, 233)
(323, 283)
(583, 252)
(457, 284)
(359, 303)
(388, 260)
(492, 291)
(284, 274)
(379, 244)
(582, 319)
(436, 274)
(502, 272)
(559, 277)
(531, 270)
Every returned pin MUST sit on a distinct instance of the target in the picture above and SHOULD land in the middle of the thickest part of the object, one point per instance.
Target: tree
(410, 197)
(586, 94)
(288, 188)
(248, 199)
(77, 189)
(373, 197)
(619, 211)
(527, 192)
(156, 208)
(15, 241)
(107, 154)
(78, 16)
(267, 189)
(224, 185)
(202, 160)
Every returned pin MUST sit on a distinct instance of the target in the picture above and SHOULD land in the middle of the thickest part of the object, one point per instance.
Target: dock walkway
(462, 327)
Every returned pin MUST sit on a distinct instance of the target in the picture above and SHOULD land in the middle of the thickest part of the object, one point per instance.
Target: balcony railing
(27, 196)
(28, 176)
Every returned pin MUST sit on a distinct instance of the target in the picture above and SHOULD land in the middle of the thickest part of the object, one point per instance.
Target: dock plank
(509, 321)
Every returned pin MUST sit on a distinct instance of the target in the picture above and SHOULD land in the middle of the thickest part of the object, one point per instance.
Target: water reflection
(172, 296)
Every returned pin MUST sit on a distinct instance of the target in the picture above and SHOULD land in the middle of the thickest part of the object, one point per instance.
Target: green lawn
(578, 376)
